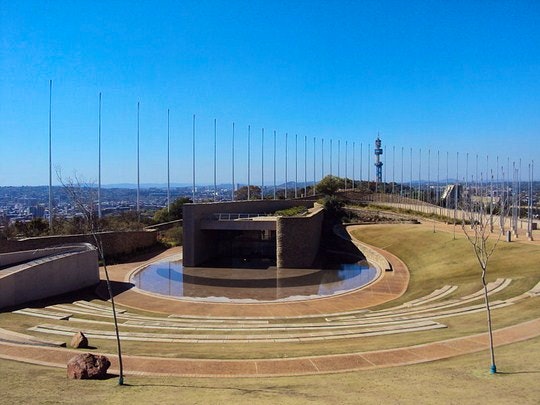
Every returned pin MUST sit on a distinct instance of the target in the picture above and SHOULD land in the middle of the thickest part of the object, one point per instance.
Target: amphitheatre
(423, 311)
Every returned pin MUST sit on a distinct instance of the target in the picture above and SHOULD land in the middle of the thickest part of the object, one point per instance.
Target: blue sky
(459, 76)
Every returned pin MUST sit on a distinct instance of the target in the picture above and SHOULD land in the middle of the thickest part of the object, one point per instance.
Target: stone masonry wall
(114, 243)
(298, 239)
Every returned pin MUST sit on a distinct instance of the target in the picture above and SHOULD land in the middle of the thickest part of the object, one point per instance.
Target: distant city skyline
(448, 77)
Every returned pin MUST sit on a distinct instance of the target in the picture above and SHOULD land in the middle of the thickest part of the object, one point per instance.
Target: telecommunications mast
(378, 163)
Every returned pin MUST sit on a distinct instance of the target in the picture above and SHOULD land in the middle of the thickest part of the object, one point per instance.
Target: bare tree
(84, 196)
(477, 226)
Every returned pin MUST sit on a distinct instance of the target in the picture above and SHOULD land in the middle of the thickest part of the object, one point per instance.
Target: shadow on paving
(117, 287)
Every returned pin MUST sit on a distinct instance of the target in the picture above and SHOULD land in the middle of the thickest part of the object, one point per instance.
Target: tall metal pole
(338, 156)
(518, 196)
(401, 185)
(193, 160)
(368, 167)
(346, 147)
(138, 166)
(232, 193)
(305, 166)
(467, 170)
(438, 177)
(361, 162)
(476, 172)
(215, 159)
(286, 162)
(50, 160)
(314, 166)
(295, 165)
(353, 166)
(393, 170)
(411, 176)
(274, 164)
(428, 194)
(99, 159)
(169, 163)
(262, 164)
(420, 175)
(249, 162)
(331, 168)
(456, 192)
(322, 158)
(447, 202)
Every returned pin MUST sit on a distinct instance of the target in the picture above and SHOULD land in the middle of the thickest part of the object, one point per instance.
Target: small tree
(329, 185)
(476, 225)
(254, 193)
(172, 213)
(83, 196)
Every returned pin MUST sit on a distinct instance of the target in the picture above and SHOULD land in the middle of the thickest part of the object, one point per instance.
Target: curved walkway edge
(139, 365)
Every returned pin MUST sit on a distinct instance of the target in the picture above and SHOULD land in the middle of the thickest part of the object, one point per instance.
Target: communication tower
(378, 163)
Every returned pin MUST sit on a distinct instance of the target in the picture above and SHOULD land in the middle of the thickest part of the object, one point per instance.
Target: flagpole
(232, 193)
(138, 167)
(168, 163)
(215, 159)
(99, 160)
(262, 164)
(50, 160)
(249, 162)
(193, 160)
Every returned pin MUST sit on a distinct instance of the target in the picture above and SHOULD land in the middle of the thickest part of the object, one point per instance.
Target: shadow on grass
(518, 372)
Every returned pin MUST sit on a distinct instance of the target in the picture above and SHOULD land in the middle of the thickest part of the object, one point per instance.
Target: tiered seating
(417, 315)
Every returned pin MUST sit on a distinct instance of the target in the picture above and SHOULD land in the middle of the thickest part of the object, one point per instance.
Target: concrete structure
(249, 228)
(36, 274)
(114, 243)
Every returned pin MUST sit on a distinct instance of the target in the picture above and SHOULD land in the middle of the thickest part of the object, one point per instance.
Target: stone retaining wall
(298, 239)
(114, 243)
(58, 273)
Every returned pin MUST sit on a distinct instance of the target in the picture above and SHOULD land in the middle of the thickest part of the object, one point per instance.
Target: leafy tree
(254, 193)
(175, 212)
(329, 185)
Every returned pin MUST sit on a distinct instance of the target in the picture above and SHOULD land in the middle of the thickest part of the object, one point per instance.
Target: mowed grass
(434, 259)
(437, 259)
(459, 380)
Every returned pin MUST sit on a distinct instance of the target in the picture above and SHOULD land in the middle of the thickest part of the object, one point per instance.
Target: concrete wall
(298, 239)
(371, 255)
(49, 276)
(11, 259)
(114, 243)
(200, 246)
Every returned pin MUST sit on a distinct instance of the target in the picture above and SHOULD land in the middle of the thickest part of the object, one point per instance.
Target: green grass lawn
(434, 260)
(460, 380)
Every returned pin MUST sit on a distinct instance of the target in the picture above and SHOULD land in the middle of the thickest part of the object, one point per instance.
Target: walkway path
(138, 365)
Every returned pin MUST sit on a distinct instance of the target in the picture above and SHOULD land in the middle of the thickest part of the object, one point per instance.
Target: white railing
(235, 216)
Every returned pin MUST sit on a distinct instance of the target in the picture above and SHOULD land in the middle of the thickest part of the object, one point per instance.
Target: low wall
(11, 259)
(49, 276)
(298, 239)
(371, 255)
(114, 243)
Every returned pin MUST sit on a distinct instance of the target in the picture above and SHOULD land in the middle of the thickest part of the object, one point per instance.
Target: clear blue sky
(454, 76)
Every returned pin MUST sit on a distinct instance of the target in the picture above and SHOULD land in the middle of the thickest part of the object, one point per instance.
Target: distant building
(37, 211)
